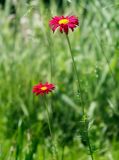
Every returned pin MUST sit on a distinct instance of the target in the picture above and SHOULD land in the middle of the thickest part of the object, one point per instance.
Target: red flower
(64, 23)
(43, 88)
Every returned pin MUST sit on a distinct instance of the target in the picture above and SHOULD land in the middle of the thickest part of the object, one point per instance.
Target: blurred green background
(28, 48)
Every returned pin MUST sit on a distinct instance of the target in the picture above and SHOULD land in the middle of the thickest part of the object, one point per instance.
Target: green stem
(49, 126)
(89, 145)
(48, 118)
(79, 89)
(76, 72)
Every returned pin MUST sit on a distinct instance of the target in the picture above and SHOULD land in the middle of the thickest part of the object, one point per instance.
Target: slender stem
(79, 89)
(76, 72)
(89, 145)
(48, 118)
(50, 130)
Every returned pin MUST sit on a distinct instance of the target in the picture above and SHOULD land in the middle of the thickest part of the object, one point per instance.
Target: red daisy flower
(43, 88)
(64, 23)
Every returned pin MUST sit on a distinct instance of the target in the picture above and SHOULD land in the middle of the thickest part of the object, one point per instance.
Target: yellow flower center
(63, 21)
(43, 88)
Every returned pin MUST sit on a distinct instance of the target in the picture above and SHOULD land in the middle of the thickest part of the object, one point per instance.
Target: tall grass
(28, 54)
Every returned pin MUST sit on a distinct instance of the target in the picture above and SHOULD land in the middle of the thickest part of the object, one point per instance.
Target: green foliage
(28, 49)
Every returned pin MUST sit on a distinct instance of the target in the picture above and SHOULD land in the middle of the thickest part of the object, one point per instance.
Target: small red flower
(64, 23)
(43, 88)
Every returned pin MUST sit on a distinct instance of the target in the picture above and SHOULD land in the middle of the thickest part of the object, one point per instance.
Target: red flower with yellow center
(64, 23)
(43, 88)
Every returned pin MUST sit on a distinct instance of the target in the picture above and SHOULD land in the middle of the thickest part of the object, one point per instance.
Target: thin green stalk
(89, 145)
(79, 89)
(76, 72)
(87, 137)
(48, 119)
(50, 130)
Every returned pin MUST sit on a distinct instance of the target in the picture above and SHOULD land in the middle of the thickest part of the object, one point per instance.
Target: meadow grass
(30, 52)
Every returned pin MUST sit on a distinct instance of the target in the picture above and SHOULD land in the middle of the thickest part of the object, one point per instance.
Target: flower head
(64, 23)
(43, 88)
